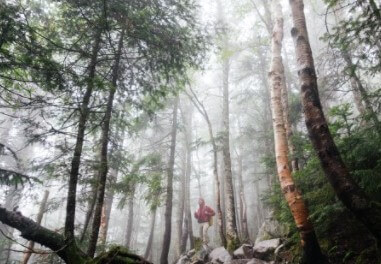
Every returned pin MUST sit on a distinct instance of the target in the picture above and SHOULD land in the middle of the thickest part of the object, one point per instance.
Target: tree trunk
(292, 195)
(109, 199)
(76, 160)
(200, 107)
(360, 90)
(243, 207)
(287, 125)
(151, 234)
(69, 252)
(168, 202)
(187, 226)
(89, 212)
(231, 225)
(40, 214)
(130, 222)
(103, 170)
(12, 199)
(180, 216)
(347, 190)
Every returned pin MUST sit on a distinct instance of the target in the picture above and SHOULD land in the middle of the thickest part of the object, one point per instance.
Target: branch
(30, 230)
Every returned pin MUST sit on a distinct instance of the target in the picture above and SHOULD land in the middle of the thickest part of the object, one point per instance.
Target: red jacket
(204, 213)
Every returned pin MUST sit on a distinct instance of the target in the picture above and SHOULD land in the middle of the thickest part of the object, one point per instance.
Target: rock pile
(263, 252)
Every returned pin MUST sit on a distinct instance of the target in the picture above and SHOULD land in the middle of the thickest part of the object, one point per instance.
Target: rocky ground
(266, 249)
(263, 252)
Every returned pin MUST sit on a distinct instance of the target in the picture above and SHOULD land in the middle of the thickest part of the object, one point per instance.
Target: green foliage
(342, 237)
(357, 32)
(9, 177)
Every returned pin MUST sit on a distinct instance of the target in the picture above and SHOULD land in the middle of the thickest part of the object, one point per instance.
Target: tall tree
(202, 110)
(83, 118)
(292, 195)
(232, 239)
(148, 251)
(103, 166)
(347, 190)
(169, 192)
(187, 231)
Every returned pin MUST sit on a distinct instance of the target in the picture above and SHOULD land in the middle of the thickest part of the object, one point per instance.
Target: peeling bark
(292, 195)
(347, 190)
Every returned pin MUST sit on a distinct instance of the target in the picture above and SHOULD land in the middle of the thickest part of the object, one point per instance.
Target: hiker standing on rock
(204, 216)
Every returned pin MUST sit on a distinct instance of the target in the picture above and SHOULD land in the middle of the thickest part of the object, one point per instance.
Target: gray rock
(244, 252)
(184, 260)
(247, 261)
(201, 256)
(191, 253)
(265, 249)
(219, 255)
(259, 261)
(270, 229)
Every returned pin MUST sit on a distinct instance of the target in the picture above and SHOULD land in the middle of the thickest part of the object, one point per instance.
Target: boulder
(219, 255)
(184, 260)
(244, 252)
(201, 256)
(265, 249)
(270, 229)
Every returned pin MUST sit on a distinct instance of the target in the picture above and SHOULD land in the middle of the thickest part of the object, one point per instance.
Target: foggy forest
(190, 131)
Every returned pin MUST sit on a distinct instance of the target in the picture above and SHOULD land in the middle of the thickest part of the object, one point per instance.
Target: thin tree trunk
(292, 195)
(231, 225)
(168, 202)
(180, 215)
(151, 235)
(103, 170)
(89, 212)
(76, 160)
(187, 226)
(243, 207)
(200, 107)
(109, 199)
(130, 221)
(359, 89)
(232, 239)
(287, 124)
(40, 214)
(347, 190)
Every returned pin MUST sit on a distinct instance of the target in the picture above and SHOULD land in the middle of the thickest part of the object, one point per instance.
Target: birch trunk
(347, 190)
(292, 195)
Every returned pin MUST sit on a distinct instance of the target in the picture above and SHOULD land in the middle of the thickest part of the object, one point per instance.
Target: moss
(197, 243)
(232, 244)
(116, 255)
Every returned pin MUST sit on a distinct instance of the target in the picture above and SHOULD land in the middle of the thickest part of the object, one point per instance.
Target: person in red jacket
(204, 216)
